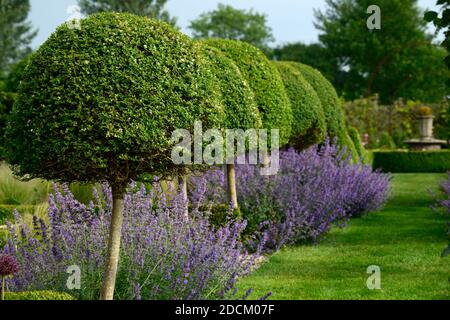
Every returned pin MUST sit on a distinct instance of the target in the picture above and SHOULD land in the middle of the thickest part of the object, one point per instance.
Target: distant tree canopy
(12, 81)
(398, 61)
(149, 8)
(442, 22)
(16, 33)
(229, 23)
(314, 55)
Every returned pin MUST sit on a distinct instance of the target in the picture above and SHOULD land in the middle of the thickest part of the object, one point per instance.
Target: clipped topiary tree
(386, 142)
(100, 103)
(241, 110)
(346, 141)
(309, 126)
(334, 115)
(265, 81)
(332, 106)
(357, 142)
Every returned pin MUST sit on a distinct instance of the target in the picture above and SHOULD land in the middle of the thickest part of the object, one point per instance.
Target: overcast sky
(291, 20)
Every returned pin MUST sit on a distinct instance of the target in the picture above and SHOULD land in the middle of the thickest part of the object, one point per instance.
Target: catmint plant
(164, 254)
(313, 190)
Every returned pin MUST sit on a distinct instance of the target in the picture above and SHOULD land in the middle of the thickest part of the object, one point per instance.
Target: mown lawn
(405, 240)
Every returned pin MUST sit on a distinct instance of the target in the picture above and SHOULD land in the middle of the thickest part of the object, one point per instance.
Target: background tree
(149, 8)
(105, 111)
(15, 33)
(12, 81)
(399, 60)
(314, 55)
(442, 22)
(229, 23)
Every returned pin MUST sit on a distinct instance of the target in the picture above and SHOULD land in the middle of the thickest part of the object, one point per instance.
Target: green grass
(405, 240)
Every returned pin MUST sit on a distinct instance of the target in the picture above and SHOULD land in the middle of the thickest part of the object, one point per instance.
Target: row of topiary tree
(99, 103)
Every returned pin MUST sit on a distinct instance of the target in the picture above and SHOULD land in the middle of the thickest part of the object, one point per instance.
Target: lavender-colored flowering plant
(164, 255)
(313, 189)
(445, 204)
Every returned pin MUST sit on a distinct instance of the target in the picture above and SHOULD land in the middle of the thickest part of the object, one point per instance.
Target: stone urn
(426, 141)
(426, 127)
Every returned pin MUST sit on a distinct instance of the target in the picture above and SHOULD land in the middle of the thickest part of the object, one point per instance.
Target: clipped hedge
(265, 81)
(38, 295)
(238, 100)
(309, 126)
(412, 161)
(331, 104)
(100, 103)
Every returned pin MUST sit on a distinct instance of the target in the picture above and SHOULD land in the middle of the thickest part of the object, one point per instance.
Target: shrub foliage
(236, 96)
(100, 103)
(38, 295)
(327, 94)
(412, 161)
(357, 142)
(265, 81)
(309, 126)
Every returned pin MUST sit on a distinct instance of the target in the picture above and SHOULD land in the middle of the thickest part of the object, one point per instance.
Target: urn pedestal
(426, 142)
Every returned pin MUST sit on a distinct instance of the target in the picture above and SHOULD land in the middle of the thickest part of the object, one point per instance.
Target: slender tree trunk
(231, 179)
(182, 184)
(115, 232)
(266, 159)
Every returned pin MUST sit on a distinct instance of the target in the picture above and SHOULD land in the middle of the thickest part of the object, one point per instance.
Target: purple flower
(8, 265)
(163, 254)
(313, 190)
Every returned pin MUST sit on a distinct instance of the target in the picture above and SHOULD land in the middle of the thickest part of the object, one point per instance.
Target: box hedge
(412, 161)
(265, 81)
(38, 295)
(309, 126)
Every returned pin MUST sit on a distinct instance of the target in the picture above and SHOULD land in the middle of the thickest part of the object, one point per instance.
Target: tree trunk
(266, 159)
(115, 232)
(231, 179)
(182, 184)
